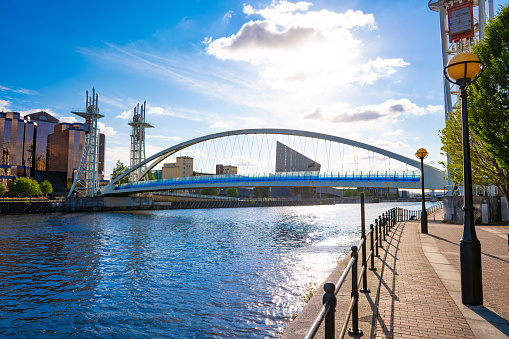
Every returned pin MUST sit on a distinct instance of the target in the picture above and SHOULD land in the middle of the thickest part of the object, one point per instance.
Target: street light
(461, 70)
(423, 154)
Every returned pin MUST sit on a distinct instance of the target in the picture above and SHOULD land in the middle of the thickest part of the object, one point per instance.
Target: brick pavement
(419, 295)
(413, 301)
(495, 260)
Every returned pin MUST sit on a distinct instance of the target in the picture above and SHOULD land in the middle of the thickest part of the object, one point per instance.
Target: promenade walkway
(419, 294)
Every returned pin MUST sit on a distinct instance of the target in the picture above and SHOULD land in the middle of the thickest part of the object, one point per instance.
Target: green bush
(232, 192)
(210, 191)
(46, 187)
(23, 187)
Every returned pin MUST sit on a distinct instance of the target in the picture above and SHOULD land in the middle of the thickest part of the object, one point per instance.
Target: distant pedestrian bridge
(275, 157)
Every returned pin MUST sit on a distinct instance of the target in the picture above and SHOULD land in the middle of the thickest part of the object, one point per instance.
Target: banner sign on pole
(461, 21)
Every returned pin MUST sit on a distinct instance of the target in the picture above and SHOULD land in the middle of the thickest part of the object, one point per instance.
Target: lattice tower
(138, 125)
(88, 167)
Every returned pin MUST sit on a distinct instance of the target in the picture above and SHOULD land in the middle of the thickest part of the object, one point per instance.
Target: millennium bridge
(235, 147)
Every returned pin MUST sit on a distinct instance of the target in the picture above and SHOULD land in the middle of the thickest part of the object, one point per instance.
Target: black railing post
(354, 330)
(376, 237)
(329, 297)
(386, 223)
(372, 268)
(387, 220)
(380, 231)
(384, 218)
(364, 265)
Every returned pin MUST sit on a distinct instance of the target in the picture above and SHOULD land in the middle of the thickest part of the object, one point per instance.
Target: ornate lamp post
(423, 154)
(461, 70)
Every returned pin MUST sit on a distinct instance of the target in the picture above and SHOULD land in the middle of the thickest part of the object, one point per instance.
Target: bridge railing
(378, 232)
(412, 176)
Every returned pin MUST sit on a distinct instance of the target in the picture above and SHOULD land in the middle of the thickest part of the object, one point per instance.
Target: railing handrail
(383, 225)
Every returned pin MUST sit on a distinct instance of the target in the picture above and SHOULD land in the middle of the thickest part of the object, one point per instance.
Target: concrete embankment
(144, 203)
(31, 206)
(80, 204)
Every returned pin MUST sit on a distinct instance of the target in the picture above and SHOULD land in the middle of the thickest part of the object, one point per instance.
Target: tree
(232, 192)
(24, 187)
(151, 176)
(2, 190)
(261, 192)
(488, 110)
(351, 193)
(210, 191)
(46, 187)
(118, 170)
(367, 193)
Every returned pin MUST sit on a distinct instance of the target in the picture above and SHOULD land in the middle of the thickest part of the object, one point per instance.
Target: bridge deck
(280, 179)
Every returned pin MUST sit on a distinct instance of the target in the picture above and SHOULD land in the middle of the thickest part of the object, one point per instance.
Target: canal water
(219, 273)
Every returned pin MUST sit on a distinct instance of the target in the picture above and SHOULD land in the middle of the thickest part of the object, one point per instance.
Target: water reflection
(189, 273)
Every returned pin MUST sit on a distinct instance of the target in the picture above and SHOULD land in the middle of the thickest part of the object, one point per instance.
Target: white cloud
(19, 90)
(228, 16)
(182, 114)
(393, 133)
(343, 113)
(385, 144)
(117, 102)
(162, 137)
(434, 108)
(4, 105)
(295, 48)
(126, 115)
(108, 131)
(69, 120)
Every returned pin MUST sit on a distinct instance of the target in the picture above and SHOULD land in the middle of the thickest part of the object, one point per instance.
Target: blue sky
(366, 70)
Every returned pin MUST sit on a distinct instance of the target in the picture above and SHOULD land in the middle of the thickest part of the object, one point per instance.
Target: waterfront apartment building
(64, 149)
(182, 167)
(36, 145)
(226, 169)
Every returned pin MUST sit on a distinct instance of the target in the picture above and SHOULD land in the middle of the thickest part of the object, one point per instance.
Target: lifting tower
(88, 167)
(138, 125)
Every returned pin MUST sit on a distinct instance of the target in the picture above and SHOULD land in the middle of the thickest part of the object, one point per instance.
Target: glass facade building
(16, 145)
(38, 143)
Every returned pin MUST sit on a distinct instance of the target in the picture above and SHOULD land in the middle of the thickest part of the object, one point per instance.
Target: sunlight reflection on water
(178, 274)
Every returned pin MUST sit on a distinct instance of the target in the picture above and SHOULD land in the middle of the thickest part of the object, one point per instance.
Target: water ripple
(223, 273)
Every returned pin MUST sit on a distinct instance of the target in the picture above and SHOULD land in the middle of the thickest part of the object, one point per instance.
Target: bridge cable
(232, 148)
(250, 154)
(328, 154)
(242, 150)
(270, 155)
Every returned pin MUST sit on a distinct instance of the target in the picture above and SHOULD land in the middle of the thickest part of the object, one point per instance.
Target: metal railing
(378, 231)
(404, 214)
(410, 176)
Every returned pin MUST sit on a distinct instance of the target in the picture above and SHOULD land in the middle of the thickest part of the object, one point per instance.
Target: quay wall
(81, 204)
(30, 206)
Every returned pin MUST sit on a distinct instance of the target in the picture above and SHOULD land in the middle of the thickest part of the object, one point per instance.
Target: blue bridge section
(351, 179)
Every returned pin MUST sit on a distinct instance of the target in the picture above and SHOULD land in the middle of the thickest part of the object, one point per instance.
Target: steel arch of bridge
(434, 178)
